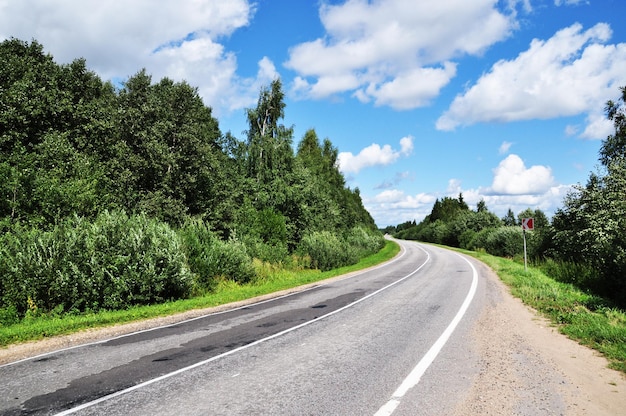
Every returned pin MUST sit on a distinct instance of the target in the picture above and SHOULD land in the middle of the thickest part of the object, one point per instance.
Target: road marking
(231, 352)
(416, 374)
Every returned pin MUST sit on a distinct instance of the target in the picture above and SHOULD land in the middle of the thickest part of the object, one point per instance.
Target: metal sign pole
(525, 260)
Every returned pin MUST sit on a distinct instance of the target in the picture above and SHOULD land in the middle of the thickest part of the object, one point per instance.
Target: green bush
(364, 241)
(478, 241)
(584, 276)
(210, 258)
(327, 251)
(504, 242)
(114, 262)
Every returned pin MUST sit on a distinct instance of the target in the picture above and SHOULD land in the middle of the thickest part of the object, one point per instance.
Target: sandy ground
(525, 366)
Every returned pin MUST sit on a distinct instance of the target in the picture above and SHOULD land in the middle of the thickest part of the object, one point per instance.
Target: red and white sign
(528, 224)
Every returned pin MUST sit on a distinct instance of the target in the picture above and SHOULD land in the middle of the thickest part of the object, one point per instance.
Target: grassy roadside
(271, 279)
(583, 317)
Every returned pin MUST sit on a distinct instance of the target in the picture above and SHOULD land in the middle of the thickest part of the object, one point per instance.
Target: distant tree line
(114, 196)
(584, 244)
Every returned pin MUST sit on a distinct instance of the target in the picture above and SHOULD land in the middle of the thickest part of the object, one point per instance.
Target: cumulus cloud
(514, 187)
(395, 53)
(374, 155)
(511, 177)
(180, 40)
(392, 207)
(569, 74)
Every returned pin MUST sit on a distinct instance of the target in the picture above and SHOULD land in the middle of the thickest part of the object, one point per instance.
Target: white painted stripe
(416, 374)
(217, 357)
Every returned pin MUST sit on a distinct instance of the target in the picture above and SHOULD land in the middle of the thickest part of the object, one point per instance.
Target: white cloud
(511, 177)
(514, 187)
(180, 40)
(414, 88)
(505, 147)
(374, 155)
(570, 2)
(392, 207)
(572, 73)
(598, 127)
(571, 130)
(395, 53)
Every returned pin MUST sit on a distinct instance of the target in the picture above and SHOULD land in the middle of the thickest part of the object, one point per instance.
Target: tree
(168, 154)
(448, 208)
(589, 229)
(269, 143)
(52, 121)
(481, 206)
(509, 219)
(614, 147)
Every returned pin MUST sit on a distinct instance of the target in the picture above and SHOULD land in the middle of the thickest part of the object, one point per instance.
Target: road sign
(528, 224)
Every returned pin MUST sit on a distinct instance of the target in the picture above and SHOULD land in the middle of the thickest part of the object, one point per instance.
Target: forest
(583, 244)
(114, 196)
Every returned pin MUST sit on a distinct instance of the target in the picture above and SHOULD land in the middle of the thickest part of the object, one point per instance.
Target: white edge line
(103, 341)
(201, 363)
(416, 374)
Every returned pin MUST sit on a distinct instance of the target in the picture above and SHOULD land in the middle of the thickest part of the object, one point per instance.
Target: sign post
(527, 224)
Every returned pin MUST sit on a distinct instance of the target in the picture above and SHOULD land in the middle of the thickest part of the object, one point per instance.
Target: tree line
(585, 241)
(131, 194)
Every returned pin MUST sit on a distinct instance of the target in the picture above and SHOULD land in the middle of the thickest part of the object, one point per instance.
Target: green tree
(481, 206)
(168, 155)
(52, 120)
(269, 142)
(509, 219)
(589, 229)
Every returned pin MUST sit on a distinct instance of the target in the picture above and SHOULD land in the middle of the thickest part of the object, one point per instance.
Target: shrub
(327, 251)
(504, 242)
(364, 241)
(210, 258)
(114, 262)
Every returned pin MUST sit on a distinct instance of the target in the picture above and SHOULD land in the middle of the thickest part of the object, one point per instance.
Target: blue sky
(499, 100)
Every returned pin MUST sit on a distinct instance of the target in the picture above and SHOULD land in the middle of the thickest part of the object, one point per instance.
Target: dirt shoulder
(528, 368)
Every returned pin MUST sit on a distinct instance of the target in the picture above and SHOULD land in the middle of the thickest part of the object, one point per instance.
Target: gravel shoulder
(528, 368)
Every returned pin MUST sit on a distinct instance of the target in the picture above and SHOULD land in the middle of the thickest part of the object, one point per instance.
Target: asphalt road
(390, 340)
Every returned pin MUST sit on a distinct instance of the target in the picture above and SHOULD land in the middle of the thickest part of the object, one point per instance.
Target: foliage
(94, 177)
(505, 242)
(114, 262)
(329, 251)
(589, 229)
(211, 259)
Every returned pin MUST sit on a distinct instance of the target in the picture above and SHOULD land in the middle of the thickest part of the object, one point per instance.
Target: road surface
(390, 340)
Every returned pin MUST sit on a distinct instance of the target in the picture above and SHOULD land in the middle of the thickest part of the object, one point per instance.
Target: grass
(271, 279)
(584, 317)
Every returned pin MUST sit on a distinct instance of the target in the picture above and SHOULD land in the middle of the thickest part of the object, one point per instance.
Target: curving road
(389, 340)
